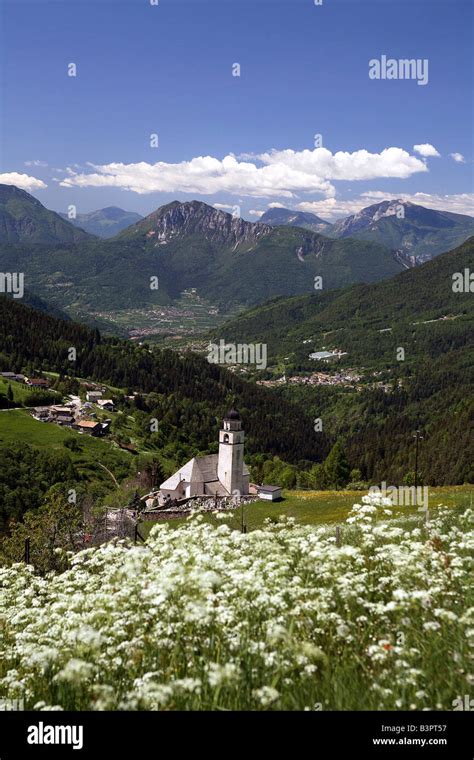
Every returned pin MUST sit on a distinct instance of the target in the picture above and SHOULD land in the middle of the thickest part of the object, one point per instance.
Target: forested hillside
(369, 321)
(429, 388)
(191, 394)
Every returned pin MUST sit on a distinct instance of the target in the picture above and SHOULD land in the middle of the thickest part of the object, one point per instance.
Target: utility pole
(243, 527)
(27, 551)
(418, 437)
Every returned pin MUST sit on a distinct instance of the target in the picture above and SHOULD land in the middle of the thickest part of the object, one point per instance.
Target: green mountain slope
(429, 388)
(23, 219)
(29, 299)
(366, 321)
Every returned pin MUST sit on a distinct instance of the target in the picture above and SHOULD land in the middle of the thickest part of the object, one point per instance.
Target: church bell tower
(230, 467)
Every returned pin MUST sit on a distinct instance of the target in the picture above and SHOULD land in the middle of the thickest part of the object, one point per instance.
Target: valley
(189, 316)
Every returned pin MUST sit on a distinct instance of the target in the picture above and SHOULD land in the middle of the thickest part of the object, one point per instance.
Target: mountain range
(414, 233)
(106, 222)
(229, 261)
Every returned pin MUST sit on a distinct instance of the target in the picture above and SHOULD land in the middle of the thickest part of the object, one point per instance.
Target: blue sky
(167, 69)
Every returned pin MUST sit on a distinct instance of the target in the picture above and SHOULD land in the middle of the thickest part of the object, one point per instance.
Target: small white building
(323, 355)
(106, 403)
(270, 493)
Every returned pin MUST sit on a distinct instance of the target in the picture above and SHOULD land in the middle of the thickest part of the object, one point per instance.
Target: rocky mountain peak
(197, 218)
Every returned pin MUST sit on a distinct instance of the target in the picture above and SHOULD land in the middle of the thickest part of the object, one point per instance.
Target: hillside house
(93, 396)
(106, 404)
(41, 413)
(37, 382)
(88, 426)
(13, 376)
(62, 414)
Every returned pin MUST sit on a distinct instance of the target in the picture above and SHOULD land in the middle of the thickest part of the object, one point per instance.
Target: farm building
(13, 376)
(62, 414)
(89, 426)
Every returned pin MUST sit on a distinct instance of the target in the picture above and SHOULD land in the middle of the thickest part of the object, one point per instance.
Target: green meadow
(320, 507)
(20, 390)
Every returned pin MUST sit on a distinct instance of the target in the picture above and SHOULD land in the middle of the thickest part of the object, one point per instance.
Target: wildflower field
(203, 617)
(320, 507)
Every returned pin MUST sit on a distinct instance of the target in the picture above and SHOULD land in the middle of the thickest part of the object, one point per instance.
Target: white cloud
(254, 212)
(333, 208)
(276, 205)
(284, 174)
(360, 165)
(426, 150)
(223, 206)
(23, 181)
(35, 162)
(458, 157)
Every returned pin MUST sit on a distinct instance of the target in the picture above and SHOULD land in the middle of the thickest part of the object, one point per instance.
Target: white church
(222, 474)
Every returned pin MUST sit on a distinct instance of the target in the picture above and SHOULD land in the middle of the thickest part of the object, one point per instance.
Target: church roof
(197, 470)
(215, 488)
(207, 467)
(184, 473)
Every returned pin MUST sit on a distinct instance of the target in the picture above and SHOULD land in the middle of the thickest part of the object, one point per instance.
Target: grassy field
(20, 390)
(319, 507)
(17, 425)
